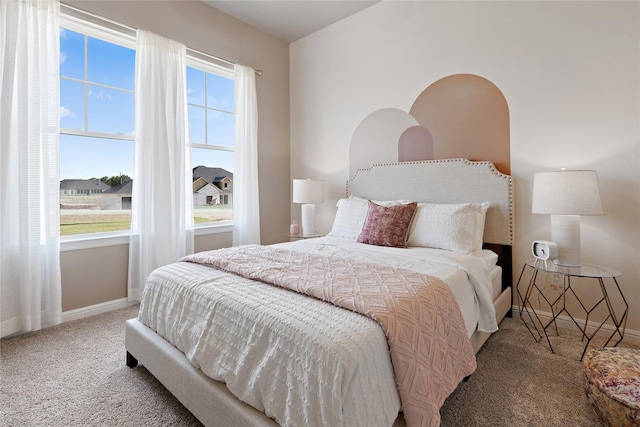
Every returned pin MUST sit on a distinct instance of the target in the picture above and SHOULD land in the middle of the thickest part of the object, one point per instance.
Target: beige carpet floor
(74, 374)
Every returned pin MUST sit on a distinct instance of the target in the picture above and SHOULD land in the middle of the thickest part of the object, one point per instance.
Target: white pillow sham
(351, 215)
(457, 227)
(481, 215)
(349, 218)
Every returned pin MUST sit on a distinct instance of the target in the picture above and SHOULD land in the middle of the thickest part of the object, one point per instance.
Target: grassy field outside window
(84, 221)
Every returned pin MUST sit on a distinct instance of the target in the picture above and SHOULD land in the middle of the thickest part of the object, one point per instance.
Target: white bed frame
(436, 181)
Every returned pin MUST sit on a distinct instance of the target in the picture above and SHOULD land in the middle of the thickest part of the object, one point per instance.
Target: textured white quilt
(300, 360)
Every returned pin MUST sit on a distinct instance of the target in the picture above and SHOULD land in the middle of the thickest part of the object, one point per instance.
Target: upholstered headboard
(444, 181)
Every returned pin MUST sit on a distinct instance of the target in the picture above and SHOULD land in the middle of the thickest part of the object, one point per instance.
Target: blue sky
(110, 73)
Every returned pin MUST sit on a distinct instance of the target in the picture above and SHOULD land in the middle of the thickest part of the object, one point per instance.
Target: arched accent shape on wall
(375, 140)
(467, 116)
(416, 143)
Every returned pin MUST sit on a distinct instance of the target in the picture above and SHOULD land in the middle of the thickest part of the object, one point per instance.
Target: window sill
(223, 227)
(98, 240)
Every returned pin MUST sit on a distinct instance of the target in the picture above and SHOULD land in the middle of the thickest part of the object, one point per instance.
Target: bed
(238, 351)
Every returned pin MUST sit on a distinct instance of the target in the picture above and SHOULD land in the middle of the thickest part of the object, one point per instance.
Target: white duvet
(300, 360)
(467, 275)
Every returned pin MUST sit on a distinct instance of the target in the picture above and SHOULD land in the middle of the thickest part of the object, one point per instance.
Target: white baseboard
(564, 322)
(92, 310)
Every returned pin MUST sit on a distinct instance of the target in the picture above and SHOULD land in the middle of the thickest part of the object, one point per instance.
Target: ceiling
(290, 20)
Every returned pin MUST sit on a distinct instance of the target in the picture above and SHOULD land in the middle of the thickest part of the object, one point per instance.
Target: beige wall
(568, 71)
(94, 276)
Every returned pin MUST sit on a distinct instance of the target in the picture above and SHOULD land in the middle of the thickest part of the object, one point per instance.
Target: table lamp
(308, 192)
(565, 195)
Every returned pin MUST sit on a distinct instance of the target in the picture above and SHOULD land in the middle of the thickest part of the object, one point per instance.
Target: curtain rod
(74, 11)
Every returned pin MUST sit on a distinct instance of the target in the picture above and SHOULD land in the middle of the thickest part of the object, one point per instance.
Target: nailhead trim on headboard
(500, 225)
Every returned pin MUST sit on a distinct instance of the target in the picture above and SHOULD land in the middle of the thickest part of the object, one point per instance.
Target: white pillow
(351, 215)
(349, 218)
(481, 215)
(455, 227)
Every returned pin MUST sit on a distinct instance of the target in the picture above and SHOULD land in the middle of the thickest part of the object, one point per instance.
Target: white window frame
(89, 25)
(210, 65)
(95, 30)
(112, 32)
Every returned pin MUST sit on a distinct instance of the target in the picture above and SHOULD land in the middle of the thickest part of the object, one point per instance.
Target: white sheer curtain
(246, 202)
(30, 286)
(162, 206)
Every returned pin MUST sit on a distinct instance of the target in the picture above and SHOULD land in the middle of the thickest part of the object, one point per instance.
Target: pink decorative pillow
(387, 226)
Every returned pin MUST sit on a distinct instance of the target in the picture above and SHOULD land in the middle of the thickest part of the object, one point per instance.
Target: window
(97, 125)
(210, 98)
(97, 75)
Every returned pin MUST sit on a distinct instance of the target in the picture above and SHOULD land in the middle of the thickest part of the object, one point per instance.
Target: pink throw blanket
(428, 342)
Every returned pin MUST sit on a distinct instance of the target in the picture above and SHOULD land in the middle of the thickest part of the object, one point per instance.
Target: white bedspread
(467, 275)
(300, 360)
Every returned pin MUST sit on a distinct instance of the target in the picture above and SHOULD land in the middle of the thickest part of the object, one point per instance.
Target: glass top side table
(604, 276)
(303, 236)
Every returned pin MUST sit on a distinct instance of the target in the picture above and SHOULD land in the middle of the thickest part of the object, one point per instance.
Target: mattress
(495, 274)
(300, 360)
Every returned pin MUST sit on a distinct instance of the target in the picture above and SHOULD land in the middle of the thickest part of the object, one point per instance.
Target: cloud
(65, 112)
(101, 95)
(63, 57)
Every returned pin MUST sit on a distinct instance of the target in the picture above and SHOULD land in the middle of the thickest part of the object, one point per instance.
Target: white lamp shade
(308, 191)
(566, 195)
(566, 192)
